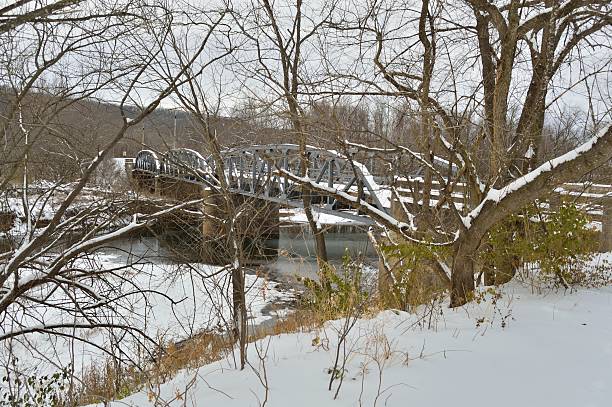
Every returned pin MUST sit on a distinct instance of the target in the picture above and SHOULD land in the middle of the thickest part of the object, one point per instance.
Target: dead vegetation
(109, 381)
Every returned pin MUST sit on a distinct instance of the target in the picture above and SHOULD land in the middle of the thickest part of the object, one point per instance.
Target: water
(294, 251)
(297, 255)
(356, 244)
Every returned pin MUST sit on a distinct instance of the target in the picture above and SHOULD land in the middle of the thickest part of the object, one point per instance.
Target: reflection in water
(302, 245)
(294, 253)
(291, 255)
(297, 256)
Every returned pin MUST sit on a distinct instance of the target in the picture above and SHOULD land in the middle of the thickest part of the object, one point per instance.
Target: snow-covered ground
(177, 301)
(43, 201)
(527, 348)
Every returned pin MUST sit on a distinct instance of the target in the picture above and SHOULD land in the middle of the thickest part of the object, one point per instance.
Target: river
(293, 253)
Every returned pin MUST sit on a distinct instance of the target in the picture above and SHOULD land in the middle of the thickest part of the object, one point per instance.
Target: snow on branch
(370, 149)
(378, 215)
(495, 196)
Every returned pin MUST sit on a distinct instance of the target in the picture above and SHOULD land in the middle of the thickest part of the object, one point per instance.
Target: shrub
(414, 281)
(559, 243)
(34, 390)
(339, 292)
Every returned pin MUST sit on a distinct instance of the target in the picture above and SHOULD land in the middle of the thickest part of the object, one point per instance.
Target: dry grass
(111, 382)
(100, 383)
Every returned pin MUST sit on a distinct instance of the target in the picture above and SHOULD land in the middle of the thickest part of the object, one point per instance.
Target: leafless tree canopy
(501, 99)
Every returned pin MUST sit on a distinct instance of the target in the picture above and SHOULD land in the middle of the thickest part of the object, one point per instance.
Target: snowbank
(524, 349)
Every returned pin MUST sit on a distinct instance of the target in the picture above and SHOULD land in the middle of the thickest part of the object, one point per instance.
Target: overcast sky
(331, 60)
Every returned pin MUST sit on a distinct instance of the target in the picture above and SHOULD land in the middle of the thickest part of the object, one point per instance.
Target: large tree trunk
(462, 279)
(462, 276)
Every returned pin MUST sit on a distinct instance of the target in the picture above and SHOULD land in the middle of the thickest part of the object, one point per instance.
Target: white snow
(297, 215)
(528, 349)
(200, 304)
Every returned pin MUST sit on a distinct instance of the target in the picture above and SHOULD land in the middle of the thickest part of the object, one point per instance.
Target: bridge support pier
(255, 224)
(176, 189)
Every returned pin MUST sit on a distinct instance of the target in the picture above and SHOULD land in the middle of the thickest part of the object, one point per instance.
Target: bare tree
(58, 56)
(278, 39)
(519, 46)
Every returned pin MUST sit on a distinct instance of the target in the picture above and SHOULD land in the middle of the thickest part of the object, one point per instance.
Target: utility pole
(175, 140)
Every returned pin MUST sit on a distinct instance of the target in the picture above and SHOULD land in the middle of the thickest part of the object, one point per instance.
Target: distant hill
(63, 133)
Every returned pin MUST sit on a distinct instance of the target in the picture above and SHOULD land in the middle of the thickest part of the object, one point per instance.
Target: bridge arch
(147, 161)
(253, 169)
(269, 172)
(186, 163)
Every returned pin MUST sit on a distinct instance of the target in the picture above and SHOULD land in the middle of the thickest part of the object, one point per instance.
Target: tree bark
(488, 68)
(239, 313)
(462, 277)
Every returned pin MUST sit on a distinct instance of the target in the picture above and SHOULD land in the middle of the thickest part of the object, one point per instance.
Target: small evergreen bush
(560, 243)
(34, 390)
(414, 282)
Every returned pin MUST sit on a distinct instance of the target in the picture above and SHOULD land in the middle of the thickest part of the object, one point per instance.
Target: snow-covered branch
(571, 165)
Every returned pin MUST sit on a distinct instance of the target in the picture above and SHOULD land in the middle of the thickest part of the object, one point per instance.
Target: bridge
(269, 173)
(272, 173)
